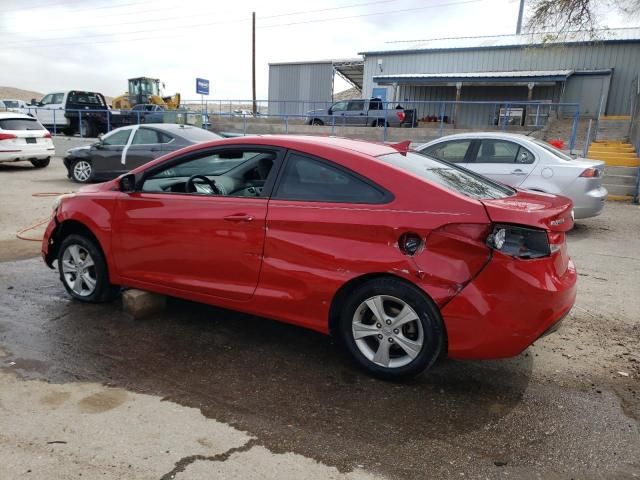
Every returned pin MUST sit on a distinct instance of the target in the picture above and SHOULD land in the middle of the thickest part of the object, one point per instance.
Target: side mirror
(127, 184)
(330, 111)
(34, 101)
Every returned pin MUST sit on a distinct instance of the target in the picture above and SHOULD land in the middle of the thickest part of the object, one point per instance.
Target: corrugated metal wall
(623, 58)
(301, 84)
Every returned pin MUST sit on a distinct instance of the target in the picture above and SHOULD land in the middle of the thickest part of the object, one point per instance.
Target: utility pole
(520, 13)
(253, 60)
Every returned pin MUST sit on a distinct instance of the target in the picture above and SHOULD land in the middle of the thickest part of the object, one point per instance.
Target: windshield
(11, 104)
(550, 148)
(448, 175)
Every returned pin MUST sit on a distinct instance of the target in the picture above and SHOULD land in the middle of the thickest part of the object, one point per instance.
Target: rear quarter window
(20, 124)
(448, 175)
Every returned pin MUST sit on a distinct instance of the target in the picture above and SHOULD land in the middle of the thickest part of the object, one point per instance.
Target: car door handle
(517, 171)
(239, 217)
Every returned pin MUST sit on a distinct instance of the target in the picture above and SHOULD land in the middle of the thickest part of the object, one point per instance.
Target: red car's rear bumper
(508, 306)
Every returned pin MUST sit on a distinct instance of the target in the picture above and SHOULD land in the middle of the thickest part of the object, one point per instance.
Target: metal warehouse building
(600, 75)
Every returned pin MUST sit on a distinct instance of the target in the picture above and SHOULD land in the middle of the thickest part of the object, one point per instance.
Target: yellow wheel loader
(145, 90)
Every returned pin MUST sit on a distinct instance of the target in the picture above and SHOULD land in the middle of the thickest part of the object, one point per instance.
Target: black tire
(428, 317)
(78, 170)
(87, 128)
(68, 131)
(103, 291)
(379, 123)
(316, 121)
(40, 163)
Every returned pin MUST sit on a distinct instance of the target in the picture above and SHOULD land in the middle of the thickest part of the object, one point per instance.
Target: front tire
(391, 328)
(81, 171)
(40, 163)
(87, 129)
(317, 122)
(83, 270)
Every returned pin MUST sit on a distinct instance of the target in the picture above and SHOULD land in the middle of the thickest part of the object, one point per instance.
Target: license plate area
(31, 140)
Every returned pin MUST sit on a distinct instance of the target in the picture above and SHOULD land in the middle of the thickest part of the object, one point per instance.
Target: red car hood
(551, 212)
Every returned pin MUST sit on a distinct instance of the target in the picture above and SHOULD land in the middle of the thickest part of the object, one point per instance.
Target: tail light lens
(556, 239)
(7, 136)
(591, 172)
(521, 242)
(47, 135)
(400, 114)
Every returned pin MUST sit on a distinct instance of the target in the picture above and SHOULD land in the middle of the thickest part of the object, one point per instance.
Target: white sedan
(23, 138)
(526, 163)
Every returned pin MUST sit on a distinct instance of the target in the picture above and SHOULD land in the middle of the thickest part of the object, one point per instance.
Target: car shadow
(294, 389)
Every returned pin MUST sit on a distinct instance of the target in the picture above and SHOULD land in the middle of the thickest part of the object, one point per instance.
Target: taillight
(7, 136)
(521, 242)
(556, 239)
(47, 135)
(590, 172)
(400, 114)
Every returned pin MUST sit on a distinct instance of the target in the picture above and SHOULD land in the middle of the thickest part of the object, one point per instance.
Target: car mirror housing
(127, 183)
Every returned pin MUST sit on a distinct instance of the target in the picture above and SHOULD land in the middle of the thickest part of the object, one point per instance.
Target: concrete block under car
(139, 303)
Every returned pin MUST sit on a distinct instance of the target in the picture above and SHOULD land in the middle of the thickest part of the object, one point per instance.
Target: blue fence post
(574, 131)
(108, 121)
(138, 115)
(244, 123)
(442, 112)
(80, 124)
(506, 116)
(333, 125)
(286, 124)
(55, 127)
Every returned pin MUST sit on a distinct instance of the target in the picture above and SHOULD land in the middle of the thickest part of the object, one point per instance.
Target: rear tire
(81, 171)
(87, 128)
(83, 270)
(391, 329)
(379, 123)
(317, 121)
(40, 163)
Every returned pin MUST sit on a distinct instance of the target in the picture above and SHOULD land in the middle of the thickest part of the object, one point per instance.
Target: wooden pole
(253, 60)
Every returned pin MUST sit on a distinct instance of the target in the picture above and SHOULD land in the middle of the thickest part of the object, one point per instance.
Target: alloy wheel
(387, 331)
(79, 270)
(82, 171)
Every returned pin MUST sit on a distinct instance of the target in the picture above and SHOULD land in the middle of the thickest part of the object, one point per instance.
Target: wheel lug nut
(396, 331)
(380, 336)
(388, 322)
(390, 340)
(378, 325)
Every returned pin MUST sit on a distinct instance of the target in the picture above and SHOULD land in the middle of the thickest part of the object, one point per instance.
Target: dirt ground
(197, 392)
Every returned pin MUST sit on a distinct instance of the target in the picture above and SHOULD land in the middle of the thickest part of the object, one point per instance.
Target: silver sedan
(526, 163)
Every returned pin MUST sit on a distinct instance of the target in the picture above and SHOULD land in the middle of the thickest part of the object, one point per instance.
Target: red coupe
(403, 257)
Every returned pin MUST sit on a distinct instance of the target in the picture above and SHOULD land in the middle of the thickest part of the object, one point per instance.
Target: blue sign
(202, 86)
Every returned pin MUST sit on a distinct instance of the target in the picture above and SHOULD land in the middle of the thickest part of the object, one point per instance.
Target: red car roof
(303, 142)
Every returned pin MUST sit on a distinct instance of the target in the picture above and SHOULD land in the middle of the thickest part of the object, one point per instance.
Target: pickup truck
(65, 111)
(362, 112)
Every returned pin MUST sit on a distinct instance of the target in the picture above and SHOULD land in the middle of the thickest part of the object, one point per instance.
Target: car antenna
(402, 147)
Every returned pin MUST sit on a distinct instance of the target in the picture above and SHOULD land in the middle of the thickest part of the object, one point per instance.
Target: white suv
(23, 138)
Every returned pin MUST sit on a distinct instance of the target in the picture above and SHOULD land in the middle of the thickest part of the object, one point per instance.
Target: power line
(320, 20)
(68, 5)
(7, 46)
(200, 15)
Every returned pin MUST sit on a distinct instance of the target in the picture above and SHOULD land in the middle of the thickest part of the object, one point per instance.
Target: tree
(575, 15)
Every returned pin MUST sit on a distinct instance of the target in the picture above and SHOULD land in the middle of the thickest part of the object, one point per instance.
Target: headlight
(58, 200)
(519, 242)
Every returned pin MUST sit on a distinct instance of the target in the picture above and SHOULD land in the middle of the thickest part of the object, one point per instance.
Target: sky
(96, 45)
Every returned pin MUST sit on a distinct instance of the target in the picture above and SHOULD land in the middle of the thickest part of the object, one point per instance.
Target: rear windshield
(20, 124)
(196, 134)
(85, 98)
(448, 175)
(555, 151)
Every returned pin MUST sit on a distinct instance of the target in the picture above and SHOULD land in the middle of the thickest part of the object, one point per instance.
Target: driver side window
(235, 172)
